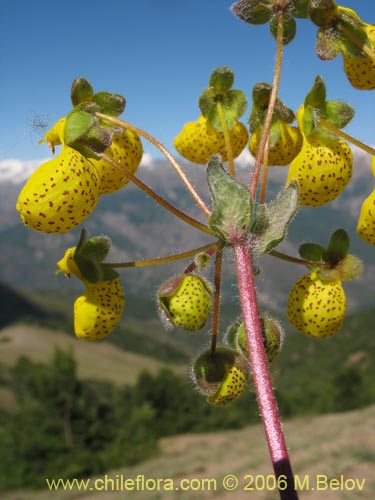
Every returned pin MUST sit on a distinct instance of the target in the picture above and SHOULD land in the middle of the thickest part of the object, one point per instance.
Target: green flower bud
(185, 301)
(273, 336)
(221, 376)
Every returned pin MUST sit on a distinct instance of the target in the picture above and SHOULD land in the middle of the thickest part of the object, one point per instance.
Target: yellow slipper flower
(126, 149)
(322, 169)
(284, 150)
(366, 221)
(361, 70)
(221, 376)
(198, 141)
(99, 309)
(316, 307)
(60, 194)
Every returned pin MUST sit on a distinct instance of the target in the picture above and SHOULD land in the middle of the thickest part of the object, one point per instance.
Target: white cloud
(147, 161)
(17, 171)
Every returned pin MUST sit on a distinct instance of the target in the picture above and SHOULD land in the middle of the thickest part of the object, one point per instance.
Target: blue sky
(158, 53)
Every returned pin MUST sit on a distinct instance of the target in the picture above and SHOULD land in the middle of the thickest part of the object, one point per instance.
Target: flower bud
(185, 301)
(272, 332)
(221, 376)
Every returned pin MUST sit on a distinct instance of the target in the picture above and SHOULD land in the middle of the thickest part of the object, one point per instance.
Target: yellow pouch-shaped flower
(366, 221)
(60, 194)
(316, 307)
(361, 70)
(285, 149)
(231, 388)
(98, 311)
(322, 168)
(126, 149)
(198, 141)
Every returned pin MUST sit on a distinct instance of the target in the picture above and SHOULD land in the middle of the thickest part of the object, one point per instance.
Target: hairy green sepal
(233, 102)
(338, 28)
(90, 254)
(337, 263)
(231, 201)
(81, 91)
(272, 219)
(264, 11)
(83, 130)
(316, 108)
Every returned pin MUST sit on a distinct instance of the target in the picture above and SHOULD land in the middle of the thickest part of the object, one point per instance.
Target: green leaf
(233, 104)
(339, 113)
(78, 123)
(110, 104)
(109, 273)
(84, 133)
(289, 27)
(327, 44)
(338, 246)
(300, 8)
(232, 203)
(272, 221)
(81, 91)
(322, 12)
(253, 11)
(221, 79)
(317, 95)
(312, 252)
(96, 248)
(91, 271)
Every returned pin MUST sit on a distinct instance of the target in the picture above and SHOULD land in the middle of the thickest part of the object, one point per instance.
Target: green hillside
(332, 374)
(331, 446)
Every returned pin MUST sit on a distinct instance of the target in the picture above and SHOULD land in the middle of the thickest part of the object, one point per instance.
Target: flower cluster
(64, 191)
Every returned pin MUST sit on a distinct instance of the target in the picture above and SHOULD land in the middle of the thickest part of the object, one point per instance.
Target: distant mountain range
(140, 229)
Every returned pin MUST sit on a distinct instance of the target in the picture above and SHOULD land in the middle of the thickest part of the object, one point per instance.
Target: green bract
(232, 203)
(272, 219)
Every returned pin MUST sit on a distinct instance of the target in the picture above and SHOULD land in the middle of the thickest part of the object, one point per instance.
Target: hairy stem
(162, 260)
(263, 189)
(216, 304)
(262, 382)
(347, 137)
(296, 260)
(271, 105)
(228, 144)
(126, 125)
(159, 199)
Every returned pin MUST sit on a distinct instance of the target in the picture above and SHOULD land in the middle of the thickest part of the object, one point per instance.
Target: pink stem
(265, 396)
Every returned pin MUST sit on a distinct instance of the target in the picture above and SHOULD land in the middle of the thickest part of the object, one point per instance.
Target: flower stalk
(228, 144)
(126, 125)
(162, 260)
(259, 365)
(216, 305)
(271, 106)
(159, 199)
(347, 137)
